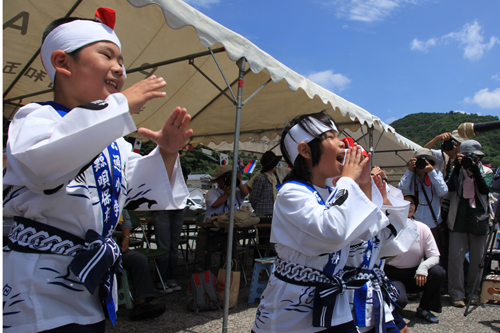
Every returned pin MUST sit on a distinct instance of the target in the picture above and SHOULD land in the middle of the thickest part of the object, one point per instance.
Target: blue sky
(391, 57)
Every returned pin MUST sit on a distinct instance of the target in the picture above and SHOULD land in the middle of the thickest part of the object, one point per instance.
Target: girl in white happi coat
(69, 173)
(373, 304)
(313, 226)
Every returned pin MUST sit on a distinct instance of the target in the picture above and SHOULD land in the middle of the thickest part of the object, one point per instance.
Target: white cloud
(485, 98)
(329, 80)
(422, 46)
(202, 3)
(367, 10)
(496, 77)
(470, 38)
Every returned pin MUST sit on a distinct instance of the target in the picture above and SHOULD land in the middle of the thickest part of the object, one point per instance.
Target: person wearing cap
(264, 190)
(450, 148)
(417, 270)
(218, 201)
(469, 186)
(427, 184)
(69, 174)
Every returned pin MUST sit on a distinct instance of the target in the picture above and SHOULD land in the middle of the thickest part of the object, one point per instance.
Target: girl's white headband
(73, 35)
(297, 135)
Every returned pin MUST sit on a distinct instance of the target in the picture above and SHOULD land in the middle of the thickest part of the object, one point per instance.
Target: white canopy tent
(199, 59)
(178, 51)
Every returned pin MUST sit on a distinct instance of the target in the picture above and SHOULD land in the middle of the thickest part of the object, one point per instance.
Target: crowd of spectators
(447, 188)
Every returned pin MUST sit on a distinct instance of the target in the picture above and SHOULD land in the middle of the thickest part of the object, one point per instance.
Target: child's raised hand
(144, 91)
(365, 176)
(354, 163)
(174, 133)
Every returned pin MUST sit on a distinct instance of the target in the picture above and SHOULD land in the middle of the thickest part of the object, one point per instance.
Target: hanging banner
(137, 146)
(241, 164)
(206, 151)
(187, 147)
(250, 166)
(223, 159)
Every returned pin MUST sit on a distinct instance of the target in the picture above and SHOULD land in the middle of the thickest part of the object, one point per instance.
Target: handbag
(234, 288)
(242, 219)
(479, 224)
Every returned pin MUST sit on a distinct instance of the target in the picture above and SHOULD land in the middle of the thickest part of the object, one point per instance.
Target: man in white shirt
(217, 202)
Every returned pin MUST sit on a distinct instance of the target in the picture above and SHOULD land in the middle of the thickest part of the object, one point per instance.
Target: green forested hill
(423, 127)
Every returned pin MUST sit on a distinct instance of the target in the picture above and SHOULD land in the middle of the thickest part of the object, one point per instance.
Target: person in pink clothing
(418, 270)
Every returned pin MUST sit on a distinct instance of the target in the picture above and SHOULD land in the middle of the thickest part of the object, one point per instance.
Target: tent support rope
(191, 62)
(224, 76)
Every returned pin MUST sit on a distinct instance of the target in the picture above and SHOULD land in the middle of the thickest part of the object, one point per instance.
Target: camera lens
(421, 163)
(227, 180)
(468, 160)
(447, 145)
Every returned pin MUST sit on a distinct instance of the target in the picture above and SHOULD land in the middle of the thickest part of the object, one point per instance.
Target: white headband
(73, 35)
(297, 135)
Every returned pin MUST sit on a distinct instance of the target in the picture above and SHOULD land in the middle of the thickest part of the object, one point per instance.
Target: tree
(423, 127)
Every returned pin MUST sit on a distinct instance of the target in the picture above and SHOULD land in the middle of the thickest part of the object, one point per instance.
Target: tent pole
(370, 144)
(241, 65)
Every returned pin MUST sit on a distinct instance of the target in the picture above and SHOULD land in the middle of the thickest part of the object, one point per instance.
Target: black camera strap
(427, 199)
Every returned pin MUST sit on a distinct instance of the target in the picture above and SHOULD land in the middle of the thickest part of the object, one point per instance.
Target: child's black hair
(299, 169)
(414, 198)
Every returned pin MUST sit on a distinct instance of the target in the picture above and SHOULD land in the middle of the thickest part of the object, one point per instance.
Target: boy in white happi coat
(69, 174)
(313, 225)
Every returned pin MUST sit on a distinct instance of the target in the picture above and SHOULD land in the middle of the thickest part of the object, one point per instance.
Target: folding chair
(151, 254)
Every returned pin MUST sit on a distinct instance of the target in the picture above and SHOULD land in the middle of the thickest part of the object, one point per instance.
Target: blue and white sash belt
(97, 267)
(97, 259)
(327, 286)
(383, 291)
(377, 276)
(34, 237)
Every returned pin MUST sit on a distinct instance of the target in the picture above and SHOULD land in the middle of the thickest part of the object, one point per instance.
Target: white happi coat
(306, 232)
(367, 256)
(45, 151)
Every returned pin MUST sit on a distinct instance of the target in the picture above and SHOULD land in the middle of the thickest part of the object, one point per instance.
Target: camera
(421, 163)
(227, 179)
(468, 160)
(448, 145)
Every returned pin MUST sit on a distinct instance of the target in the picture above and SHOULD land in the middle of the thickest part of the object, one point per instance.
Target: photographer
(218, 201)
(468, 219)
(427, 184)
(450, 148)
(448, 152)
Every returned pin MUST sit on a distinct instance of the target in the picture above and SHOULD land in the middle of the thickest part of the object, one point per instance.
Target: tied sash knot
(97, 266)
(326, 294)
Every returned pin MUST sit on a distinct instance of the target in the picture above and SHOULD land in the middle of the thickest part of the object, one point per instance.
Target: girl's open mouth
(341, 158)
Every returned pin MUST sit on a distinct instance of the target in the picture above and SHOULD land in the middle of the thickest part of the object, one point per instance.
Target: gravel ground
(483, 318)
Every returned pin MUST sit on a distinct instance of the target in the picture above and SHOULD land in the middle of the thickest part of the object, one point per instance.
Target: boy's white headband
(73, 35)
(297, 135)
